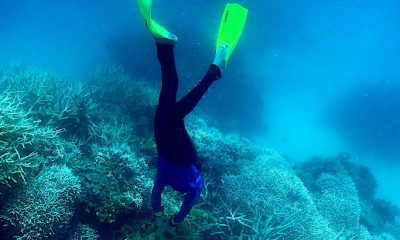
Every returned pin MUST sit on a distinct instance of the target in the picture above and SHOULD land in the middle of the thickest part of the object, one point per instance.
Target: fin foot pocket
(159, 33)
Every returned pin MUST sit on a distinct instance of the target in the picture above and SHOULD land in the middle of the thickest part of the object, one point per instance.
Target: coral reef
(375, 213)
(45, 206)
(77, 161)
(110, 86)
(21, 139)
(53, 101)
(338, 202)
(266, 190)
(84, 232)
(26, 146)
(218, 152)
(114, 182)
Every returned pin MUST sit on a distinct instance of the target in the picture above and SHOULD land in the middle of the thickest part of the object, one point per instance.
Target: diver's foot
(171, 40)
(220, 57)
(160, 34)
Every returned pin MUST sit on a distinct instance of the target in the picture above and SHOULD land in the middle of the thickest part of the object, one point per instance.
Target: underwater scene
(201, 119)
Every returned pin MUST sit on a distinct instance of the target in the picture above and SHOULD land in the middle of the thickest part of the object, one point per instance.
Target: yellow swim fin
(231, 28)
(159, 32)
(145, 7)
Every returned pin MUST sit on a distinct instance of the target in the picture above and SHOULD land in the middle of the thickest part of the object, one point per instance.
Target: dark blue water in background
(308, 77)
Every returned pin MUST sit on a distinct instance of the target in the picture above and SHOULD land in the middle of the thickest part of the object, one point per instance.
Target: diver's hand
(161, 228)
(159, 223)
(172, 222)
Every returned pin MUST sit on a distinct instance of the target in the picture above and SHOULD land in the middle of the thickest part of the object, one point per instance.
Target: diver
(176, 152)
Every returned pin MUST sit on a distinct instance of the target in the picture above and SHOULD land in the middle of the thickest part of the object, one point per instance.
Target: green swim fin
(231, 28)
(145, 7)
(159, 32)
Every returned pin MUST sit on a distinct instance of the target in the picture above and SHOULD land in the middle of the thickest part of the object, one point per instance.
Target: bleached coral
(338, 201)
(45, 206)
(24, 143)
(111, 86)
(53, 101)
(116, 181)
(216, 149)
(84, 232)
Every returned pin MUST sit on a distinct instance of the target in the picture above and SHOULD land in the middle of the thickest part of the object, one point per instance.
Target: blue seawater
(300, 139)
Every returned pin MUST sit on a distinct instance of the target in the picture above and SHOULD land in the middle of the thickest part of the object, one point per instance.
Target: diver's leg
(165, 114)
(189, 102)
(169, 76)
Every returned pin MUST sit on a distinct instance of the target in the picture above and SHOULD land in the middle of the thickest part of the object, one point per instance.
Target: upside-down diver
(176, 151)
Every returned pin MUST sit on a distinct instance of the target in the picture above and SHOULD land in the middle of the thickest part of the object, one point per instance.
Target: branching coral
(84, 232)
(233, 224)
(112, 87)
(116, 204)
(74, 114)
(115, 182)
(22, 140)
(44, 207)
(51, 100)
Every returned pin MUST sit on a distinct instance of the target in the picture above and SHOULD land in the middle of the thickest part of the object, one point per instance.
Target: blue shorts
(180, 179)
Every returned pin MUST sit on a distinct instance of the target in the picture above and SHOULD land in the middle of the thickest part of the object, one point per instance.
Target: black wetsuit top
(173, 141)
